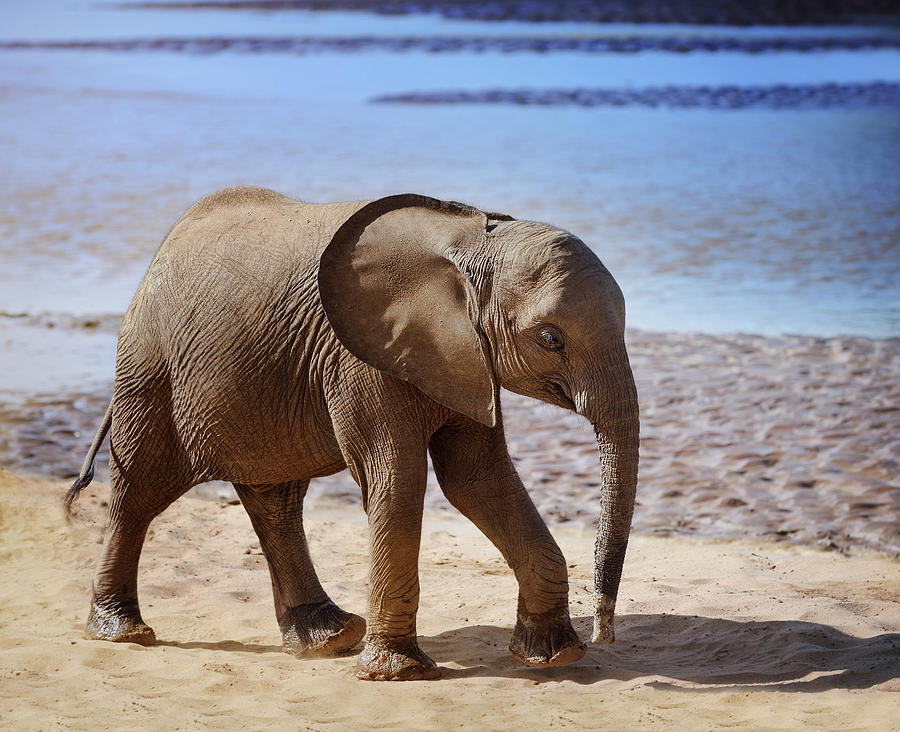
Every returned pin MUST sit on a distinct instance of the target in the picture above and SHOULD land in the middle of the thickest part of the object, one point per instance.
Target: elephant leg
(311, 624)
(477, 476)
(394, 508)
(133, 504)
(382, 428)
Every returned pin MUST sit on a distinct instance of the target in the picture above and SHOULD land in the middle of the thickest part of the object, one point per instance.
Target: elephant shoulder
(236, 197)
(225, 213)
(249, 221)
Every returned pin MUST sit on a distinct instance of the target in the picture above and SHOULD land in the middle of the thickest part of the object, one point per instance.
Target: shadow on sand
(225, 645)
(714, 653)
(777, 655)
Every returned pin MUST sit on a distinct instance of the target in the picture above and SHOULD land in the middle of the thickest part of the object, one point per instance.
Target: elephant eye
(550, 340)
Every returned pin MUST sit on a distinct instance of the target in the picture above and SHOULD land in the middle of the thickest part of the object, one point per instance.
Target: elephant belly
(259, 446)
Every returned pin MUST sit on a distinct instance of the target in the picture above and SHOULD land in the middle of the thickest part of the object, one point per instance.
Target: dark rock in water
(473, 44)
(779, 96)
(694, 12)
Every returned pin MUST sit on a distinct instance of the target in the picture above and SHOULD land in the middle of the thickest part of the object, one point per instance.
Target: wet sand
(709, 633)
(792, 439)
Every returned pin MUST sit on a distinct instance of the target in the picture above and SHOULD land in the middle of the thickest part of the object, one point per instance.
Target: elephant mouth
(560, 395)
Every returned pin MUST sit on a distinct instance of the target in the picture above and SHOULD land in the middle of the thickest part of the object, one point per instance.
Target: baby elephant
(274, 341)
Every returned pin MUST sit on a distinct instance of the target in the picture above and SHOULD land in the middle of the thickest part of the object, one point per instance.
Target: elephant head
(459, 302)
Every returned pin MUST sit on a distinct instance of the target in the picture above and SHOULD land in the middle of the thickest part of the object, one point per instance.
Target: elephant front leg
(478, 478)
(392, 652)
(545, 639)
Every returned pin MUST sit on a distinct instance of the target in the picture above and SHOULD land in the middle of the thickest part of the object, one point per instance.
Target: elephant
(273, 341)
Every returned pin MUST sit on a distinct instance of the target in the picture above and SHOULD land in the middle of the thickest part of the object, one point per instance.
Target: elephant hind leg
(311, 624)
(115, 614)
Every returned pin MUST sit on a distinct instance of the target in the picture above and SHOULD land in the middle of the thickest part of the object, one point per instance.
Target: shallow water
(712, 220)
(758, 220)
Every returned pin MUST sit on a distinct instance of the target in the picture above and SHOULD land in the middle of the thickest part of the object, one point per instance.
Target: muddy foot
(320, 629)
(118, 624)
(395, 660)
(545, 639)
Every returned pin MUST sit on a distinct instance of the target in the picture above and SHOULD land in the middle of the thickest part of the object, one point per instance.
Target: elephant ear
(396, 300)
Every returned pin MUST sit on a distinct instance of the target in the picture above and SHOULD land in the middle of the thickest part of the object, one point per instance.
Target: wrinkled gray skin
(272, 342)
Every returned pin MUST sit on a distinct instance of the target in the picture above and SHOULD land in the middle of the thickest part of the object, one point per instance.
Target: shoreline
(706, 630)
(790, 437)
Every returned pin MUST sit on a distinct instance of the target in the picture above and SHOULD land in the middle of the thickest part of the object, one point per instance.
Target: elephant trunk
(617, 427)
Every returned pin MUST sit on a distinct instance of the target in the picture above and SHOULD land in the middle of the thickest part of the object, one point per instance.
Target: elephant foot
(395, 659)
(320, 629)
(545, 639)
(119, 624)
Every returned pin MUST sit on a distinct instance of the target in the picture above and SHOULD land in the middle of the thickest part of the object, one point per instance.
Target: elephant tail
(87, 469)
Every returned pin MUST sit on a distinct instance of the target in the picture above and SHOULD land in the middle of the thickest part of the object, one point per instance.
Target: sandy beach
(710, 633)
(761, 588)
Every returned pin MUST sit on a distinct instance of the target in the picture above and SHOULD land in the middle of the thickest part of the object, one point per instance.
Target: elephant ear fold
(396, 301)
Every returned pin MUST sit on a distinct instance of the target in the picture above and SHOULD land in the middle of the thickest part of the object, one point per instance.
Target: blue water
(759, 221)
